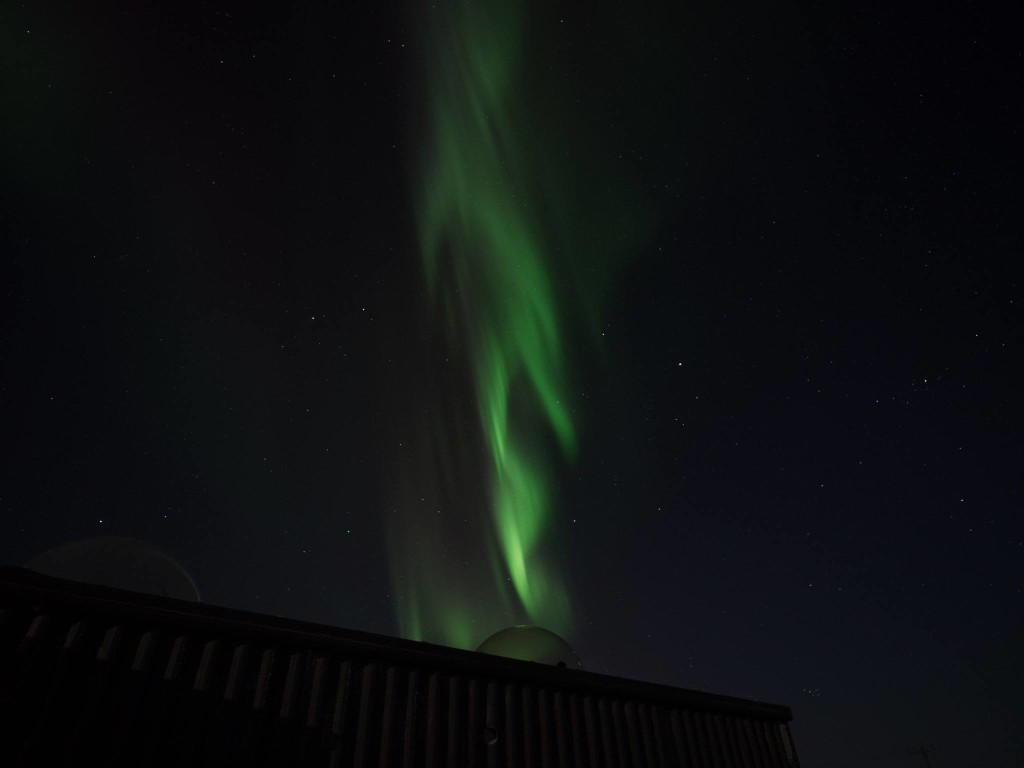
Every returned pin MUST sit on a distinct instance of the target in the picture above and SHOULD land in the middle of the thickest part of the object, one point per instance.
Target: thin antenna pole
(924, 752)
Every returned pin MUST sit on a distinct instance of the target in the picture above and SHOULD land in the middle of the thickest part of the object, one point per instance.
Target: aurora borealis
(487, 264)
(391, 316)
(522, 218)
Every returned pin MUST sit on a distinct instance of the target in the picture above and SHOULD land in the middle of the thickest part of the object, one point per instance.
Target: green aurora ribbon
(493, 209)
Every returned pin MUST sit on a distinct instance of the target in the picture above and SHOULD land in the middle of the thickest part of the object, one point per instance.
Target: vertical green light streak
(487, 264)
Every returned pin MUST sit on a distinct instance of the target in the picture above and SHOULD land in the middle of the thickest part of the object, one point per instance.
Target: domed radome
(120, 562)
(529, 643)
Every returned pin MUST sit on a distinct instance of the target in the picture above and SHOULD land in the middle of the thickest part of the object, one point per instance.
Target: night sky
(796, 403)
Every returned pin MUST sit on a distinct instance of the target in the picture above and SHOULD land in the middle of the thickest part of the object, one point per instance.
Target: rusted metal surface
(94, 676)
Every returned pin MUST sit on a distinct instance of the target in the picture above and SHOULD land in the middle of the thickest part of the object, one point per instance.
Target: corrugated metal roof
(96, 676)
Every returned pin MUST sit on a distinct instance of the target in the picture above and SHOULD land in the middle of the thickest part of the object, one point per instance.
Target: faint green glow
(523, 214)
(487, 262)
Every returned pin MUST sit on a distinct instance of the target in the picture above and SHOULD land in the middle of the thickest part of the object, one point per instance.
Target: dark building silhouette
(91, 675)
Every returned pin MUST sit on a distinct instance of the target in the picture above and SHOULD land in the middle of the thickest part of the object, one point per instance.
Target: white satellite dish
(529, 643)
(120, 562)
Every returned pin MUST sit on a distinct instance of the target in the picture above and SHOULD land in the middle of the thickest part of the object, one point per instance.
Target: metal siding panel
(668, 755)
(717, 748)
(778, 748)
(725, 737)
(409, 746)
(12, 629)
(318, 684)
(135, 705)
(563, 730)
(175, 660)
(607, 727)
(94, 704)
(651, 757)
(764, 752)
(579, 731)
(340, 713)
(622, 749)
(433, 735)
(495, 733)
(474, 737)
(765, 746)
(232, 709)
(705, 738)
(745, 730)
(620, 743)
(528, 716)
(593, 727)
(683, 740)
(366, 723)
(206, 670)
(739, 742)
(750, 732)
(456, 724)
(757, 751)
(389, 730)
(292, 682)
(197, 709)
(218, 735)
(513, 722)
(700, 750)
(743, 746)
(262, 694)
(256, 716)
(171, 722)
(761, 757)
(787, 742)
(544, 720)
(233, 687)
(632, 728)
(46, 725)
(726, 746)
